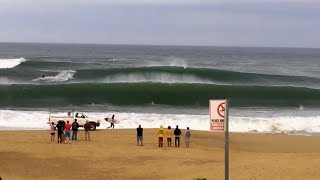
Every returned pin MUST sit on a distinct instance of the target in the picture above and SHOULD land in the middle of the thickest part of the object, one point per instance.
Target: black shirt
(75, 126)
(60, 127)
(177, 132)
(139, 131)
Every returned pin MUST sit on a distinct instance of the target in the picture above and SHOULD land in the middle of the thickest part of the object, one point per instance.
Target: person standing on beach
(87, 127)
(139, 135)
(60, 129)
(67, 128)
(187, 137)
(75, 127)
(160, 135)
(52, 132)
(112, 122)
(177, 133)
(169, 136)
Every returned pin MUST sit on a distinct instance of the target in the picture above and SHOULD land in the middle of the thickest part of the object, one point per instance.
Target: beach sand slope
(113, 154)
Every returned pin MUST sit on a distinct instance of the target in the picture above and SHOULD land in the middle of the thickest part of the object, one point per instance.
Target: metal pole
(226, 142)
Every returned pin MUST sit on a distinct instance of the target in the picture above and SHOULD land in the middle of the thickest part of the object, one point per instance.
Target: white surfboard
(115, 121)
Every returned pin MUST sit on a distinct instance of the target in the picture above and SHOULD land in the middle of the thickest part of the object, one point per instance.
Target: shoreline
(231, 132)
(113, 154)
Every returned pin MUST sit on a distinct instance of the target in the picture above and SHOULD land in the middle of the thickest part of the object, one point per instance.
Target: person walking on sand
(87, 127)
(75, 127)
(52, 132)
(112, 121)
(160, 135)
(67, 128)
(187, 137)
(169, 135)
(60, 129)
(177, 133)
(139, 136)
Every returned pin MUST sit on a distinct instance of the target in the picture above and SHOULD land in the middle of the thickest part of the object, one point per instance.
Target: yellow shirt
(169, 133)
(160, 132)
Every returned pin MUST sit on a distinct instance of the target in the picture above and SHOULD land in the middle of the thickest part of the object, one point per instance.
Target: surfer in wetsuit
(111, 121)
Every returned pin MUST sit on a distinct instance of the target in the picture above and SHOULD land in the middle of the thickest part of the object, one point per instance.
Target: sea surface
(270, 90)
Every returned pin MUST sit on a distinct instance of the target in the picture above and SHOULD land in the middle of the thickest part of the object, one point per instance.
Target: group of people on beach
(64, 130)
(161, 133)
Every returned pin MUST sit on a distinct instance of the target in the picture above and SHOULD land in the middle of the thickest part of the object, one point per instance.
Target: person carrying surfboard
(112, 121)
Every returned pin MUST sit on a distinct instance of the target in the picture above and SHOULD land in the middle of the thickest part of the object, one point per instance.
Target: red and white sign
(217, 110)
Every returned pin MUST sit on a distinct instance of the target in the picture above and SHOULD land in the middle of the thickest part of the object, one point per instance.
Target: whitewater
(293, 125)
(11, 63)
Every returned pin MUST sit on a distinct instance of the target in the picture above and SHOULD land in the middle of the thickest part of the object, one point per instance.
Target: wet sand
(113, 154)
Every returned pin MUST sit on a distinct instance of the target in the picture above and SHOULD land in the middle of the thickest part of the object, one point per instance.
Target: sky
(262, 23)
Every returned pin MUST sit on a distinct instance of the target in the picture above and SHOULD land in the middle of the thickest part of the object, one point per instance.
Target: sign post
(219, 122)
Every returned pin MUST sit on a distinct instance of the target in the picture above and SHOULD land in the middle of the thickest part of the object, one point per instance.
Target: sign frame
(226, 128)
(217, 118)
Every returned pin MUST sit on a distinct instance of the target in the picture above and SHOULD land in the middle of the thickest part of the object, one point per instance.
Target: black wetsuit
(111, 126)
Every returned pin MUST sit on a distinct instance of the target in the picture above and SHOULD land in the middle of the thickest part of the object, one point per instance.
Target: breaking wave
(11, 63)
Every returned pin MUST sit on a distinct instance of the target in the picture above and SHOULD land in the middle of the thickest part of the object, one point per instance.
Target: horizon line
(177, 45)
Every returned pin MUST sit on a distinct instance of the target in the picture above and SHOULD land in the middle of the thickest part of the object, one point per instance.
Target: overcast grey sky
(275, 23)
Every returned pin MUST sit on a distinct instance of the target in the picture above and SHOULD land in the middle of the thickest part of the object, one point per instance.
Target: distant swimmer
(43, 76)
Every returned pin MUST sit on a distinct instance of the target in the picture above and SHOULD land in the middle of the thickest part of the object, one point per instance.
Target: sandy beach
(113, 154)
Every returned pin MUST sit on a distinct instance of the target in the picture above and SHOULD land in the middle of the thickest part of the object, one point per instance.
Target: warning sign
(217, 110)
(221, 109)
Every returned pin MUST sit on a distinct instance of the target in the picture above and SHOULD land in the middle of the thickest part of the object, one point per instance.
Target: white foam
(64, 75)
(155, 77)
(19, 120)
(282, 124)
(169, 61)
(11, 63)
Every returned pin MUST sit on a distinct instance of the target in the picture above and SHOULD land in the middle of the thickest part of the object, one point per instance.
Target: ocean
(270, 90)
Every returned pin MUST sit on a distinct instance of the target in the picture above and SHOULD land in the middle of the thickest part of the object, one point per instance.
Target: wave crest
(11, 63)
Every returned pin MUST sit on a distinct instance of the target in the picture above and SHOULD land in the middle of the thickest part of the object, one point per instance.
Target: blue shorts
(67, 134)
(139, 138)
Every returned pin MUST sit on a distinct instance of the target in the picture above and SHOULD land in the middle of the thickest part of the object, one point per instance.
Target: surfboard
(115, 121)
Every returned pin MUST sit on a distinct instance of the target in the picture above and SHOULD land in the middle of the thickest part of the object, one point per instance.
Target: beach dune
(113, 154)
